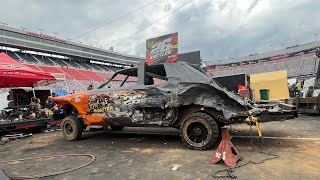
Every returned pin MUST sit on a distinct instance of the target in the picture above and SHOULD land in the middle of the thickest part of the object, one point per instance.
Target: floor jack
(226, 151)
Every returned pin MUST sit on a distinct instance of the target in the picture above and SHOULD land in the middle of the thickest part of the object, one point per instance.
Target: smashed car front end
(194, 87)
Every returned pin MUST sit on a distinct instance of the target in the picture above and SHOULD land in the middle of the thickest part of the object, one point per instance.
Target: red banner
(163, 49)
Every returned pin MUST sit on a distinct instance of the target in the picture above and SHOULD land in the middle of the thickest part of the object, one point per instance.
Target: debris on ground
(11, 137)
(176, 166)
(94, 170)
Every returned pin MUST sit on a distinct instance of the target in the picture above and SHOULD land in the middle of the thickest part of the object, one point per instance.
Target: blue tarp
(60, 92)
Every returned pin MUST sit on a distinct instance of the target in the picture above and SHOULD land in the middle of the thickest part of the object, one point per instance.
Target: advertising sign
(163, 49)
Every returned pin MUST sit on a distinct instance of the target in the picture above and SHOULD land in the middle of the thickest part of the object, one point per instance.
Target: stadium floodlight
(40, 30)
(4, 24)
(23, 28)
(316, 36)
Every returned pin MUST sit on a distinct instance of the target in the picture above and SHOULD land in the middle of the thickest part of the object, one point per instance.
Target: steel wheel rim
(68, 128)
(197, 132)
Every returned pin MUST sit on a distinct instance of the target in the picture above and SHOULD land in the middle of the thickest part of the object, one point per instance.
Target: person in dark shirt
(90, 87)
(50, 105)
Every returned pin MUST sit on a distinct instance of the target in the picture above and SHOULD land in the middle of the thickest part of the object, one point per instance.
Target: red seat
(104, 75)
(92, 75)
(74, 73)
(33, 67)
(52, 69)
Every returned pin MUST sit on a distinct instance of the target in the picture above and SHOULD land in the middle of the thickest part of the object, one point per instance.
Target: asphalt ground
(153, 153)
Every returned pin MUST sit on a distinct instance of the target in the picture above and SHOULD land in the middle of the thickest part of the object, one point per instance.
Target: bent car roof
(154, 69)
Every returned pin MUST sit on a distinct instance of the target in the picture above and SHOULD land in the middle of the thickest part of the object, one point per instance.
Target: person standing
(50, 106)
(299, 88)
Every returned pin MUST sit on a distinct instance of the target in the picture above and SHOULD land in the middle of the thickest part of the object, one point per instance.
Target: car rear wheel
(71, 128)
(199, 131)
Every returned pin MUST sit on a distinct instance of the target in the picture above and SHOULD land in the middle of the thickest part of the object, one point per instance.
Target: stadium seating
(28, 57)
(74, 85)
(86, 66)
(75, 74)
(58, 61)
(33, 67)
(52, 69)
(104, 75)
(79, 74)
(97, 68)
(92, 75)
(13, 55)
(296, 66)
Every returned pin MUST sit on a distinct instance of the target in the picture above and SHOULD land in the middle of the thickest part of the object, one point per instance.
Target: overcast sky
(218, 28)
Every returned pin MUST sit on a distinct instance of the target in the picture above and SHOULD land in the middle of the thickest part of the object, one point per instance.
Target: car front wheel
(71, 128)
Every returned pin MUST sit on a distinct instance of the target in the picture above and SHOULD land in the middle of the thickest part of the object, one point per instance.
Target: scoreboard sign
(162, 49)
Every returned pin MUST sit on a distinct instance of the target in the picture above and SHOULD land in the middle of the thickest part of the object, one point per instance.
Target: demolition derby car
(183, 97)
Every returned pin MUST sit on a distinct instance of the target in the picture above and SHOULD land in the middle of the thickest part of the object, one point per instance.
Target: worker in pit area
(50, 106)
(299, 88)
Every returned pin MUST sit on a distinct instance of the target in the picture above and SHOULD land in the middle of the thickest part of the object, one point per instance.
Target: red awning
(15, 74)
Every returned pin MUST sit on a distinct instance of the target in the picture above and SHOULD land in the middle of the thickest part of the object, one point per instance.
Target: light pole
(40, 30)
(4, 24)
(23, 28)
(55, 34)
(316, 36)
(271, 46)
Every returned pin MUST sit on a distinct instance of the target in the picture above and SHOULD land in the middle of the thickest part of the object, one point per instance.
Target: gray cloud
(211, 26)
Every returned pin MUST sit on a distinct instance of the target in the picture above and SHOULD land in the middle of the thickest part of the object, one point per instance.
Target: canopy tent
(16, 74)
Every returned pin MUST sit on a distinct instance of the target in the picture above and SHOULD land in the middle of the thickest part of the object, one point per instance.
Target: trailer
(310, 102)
(27, 124)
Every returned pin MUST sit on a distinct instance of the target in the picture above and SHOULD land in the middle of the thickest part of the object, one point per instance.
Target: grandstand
(82, 65)
(299, 61)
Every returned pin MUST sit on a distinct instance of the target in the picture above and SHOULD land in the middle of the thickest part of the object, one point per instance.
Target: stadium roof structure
(288, 50)
(12, 37)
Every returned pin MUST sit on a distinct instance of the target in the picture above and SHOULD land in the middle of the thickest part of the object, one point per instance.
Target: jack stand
(226, 151)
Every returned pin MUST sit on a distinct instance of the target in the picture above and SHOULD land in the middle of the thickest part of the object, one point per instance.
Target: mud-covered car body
(184, 90)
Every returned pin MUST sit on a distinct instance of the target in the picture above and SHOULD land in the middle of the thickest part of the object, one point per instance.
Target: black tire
(199, 131)
(71, 128)
(116, 128)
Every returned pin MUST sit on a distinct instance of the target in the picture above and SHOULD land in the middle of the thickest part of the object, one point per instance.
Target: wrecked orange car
(183, 97)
